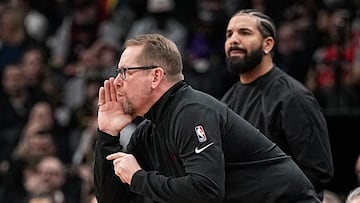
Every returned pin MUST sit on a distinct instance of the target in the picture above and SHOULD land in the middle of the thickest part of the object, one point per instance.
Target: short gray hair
(160, 51)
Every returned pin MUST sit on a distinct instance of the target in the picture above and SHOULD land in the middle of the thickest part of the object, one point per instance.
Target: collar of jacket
(163, 105)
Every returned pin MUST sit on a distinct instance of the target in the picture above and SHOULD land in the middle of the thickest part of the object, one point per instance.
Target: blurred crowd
(55, 54)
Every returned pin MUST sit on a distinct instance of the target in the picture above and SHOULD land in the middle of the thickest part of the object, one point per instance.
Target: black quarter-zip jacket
(192, 148)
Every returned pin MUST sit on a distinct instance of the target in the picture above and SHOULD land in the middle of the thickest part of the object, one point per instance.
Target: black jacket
(285, 111)
(192, 148)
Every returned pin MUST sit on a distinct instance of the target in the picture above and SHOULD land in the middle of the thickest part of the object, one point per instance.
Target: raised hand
(111, 117)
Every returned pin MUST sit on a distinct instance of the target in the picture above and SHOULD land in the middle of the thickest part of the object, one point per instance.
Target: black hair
(266, 25)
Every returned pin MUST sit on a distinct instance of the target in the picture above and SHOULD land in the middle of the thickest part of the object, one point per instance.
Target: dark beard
(249, 62)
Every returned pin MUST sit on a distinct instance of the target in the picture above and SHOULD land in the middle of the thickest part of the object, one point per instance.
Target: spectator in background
(35, 143)
(94, 63)
(13, 36)
(39, 77)
(274, 102)
(296, 41)
(40, 136)
(204, 61)
(36, 24)
(290, 53)
(160, 19)
(42, 114)
(82, 161)
(330, 75)
(15, 104)
(21, 180)
(33, 63)
(83, 137)
(76, 33)
(121, 15)
(53, 179)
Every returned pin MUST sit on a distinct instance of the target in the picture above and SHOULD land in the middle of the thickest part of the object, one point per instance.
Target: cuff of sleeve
(137, 181)
(107, 139)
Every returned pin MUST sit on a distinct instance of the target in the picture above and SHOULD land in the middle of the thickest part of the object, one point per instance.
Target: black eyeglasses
(122, 71)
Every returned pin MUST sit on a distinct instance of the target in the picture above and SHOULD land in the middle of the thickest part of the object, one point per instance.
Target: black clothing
(285, 111)
(192, 148)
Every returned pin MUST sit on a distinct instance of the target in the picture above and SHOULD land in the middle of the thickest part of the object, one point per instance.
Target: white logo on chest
(198, 150)
(200, 133)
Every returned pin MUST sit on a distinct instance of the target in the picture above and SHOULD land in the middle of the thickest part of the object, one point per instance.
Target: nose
(118, 81)
(234, 39)
(231, 40)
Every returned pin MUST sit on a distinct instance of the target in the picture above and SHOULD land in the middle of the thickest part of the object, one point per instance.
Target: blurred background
(55, 54)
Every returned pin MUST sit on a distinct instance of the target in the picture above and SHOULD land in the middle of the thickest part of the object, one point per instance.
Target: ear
(157, 76)
(268, 45)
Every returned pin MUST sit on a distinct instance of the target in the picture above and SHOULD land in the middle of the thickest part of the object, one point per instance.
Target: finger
(118, 173)
(115, 155)
(112, 90)
(101, 96)
(107, 91)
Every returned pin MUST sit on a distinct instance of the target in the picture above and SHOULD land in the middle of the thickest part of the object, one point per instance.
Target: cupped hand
(111, 116)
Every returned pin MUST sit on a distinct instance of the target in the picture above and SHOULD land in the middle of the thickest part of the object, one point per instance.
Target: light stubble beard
(128, 108)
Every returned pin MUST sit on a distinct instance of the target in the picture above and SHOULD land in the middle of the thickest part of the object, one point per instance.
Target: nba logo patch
(200, 132)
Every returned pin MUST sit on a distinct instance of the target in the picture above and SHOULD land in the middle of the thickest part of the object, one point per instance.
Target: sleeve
(308, 138)
(108, 187)
(197, 142)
